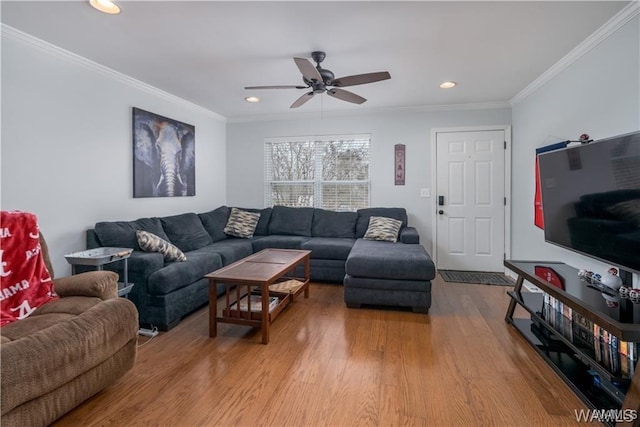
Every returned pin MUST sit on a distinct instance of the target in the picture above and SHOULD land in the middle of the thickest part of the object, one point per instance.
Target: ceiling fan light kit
(320, 80)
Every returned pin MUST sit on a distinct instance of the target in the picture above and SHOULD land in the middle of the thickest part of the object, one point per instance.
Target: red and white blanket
(25, 281)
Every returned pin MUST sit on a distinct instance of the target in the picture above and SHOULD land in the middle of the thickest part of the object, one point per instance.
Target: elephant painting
(164, 156)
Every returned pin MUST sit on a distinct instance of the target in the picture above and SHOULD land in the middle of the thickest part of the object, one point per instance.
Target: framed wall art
(164, 156)
(399, 168)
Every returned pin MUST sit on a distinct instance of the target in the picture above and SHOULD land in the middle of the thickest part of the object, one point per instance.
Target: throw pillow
(382, 228)
(262, 229)
(241, 223)
(149, 242)
(628, 211)
(25, 282)
(364, 214)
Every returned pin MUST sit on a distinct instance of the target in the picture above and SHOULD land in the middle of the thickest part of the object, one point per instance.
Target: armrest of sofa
(141, 266)
(409, 235)
(100, 284)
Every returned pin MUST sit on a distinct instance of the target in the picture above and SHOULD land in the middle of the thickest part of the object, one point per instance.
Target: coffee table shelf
(235, 313)
(252, 276)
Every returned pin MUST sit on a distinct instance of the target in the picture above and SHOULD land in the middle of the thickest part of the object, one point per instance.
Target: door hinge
(505, 145)
(505, 201)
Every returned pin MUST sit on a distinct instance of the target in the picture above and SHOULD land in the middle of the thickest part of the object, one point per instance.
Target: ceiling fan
(321, 80)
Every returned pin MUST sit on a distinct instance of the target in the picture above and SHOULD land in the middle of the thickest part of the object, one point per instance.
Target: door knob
(440, 212)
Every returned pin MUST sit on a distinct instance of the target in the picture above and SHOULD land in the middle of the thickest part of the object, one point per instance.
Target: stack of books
(616, 356)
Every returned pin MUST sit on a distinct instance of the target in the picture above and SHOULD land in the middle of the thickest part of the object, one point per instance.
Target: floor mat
(476, 277)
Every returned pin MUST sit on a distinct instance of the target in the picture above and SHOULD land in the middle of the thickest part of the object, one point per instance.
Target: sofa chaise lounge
(164, 292)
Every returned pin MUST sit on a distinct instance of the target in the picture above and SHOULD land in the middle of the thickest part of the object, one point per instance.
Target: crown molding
(361, 112)
(58, 52)
(607, 29)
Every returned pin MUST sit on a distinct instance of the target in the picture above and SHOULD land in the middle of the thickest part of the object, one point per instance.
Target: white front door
(470, 200)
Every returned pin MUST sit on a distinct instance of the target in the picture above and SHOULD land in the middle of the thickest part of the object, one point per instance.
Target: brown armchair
(67, 350)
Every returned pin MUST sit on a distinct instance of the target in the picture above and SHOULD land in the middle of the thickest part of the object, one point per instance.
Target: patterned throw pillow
(382, 228)
(241, 223)
(149, 242)
(628, 211)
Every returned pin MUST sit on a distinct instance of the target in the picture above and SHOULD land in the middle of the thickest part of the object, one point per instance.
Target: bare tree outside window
(329, 173)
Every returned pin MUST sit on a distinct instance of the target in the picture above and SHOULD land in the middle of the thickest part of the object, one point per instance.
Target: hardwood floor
(326, 365)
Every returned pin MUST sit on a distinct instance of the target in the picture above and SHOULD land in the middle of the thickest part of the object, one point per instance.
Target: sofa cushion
(122, 234)
(333, 224)
(177, 275)
(386, 260)
(231, 250)
(214, 222)
(291, 221)
(262, 229)
(279, 242)
(149, 242)
(382, 228)
(33, 324)
(328, 247)
(241, 223)
(364, 214)
(61, 348)
(186, 231)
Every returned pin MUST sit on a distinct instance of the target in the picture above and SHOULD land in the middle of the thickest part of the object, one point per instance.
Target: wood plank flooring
(326, 365)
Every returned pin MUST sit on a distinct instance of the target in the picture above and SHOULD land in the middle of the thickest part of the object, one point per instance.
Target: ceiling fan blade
(276, 87)
(304, 98)
(360, 79)
(308, 70)
(345, 95)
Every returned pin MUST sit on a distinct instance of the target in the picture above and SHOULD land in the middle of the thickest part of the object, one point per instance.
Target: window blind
(330, 172)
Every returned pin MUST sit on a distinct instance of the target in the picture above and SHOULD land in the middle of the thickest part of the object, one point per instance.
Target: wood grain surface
(326, 365)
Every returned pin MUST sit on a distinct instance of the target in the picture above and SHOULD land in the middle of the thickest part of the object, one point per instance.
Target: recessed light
(252, 99)
(106, 6)
(447, 85)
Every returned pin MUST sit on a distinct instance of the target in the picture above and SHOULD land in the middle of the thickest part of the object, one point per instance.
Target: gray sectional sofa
(164, 292)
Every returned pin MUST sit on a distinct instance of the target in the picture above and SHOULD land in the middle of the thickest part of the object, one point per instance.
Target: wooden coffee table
(252, 276)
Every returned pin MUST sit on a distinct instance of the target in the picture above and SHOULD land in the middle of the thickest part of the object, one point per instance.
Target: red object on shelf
(550, 275)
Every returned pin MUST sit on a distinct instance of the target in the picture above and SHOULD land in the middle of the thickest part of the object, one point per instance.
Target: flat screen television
(591, 199)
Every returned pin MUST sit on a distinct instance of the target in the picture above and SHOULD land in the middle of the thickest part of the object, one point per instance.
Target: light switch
(424, 192)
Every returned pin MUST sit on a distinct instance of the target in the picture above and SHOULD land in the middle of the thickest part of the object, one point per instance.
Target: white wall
(67, 147)
(599, 94)
(245, 154)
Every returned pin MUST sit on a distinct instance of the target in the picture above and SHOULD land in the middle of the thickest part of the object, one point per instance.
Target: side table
(100, 256)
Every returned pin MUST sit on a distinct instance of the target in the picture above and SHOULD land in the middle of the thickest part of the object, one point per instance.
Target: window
(330, 172)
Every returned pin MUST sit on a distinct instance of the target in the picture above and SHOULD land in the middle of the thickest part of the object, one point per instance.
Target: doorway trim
(507, 183)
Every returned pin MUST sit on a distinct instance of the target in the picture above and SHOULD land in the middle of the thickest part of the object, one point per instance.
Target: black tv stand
(599, 365)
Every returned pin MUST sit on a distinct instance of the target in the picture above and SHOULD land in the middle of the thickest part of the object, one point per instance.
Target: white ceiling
(207, 51)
